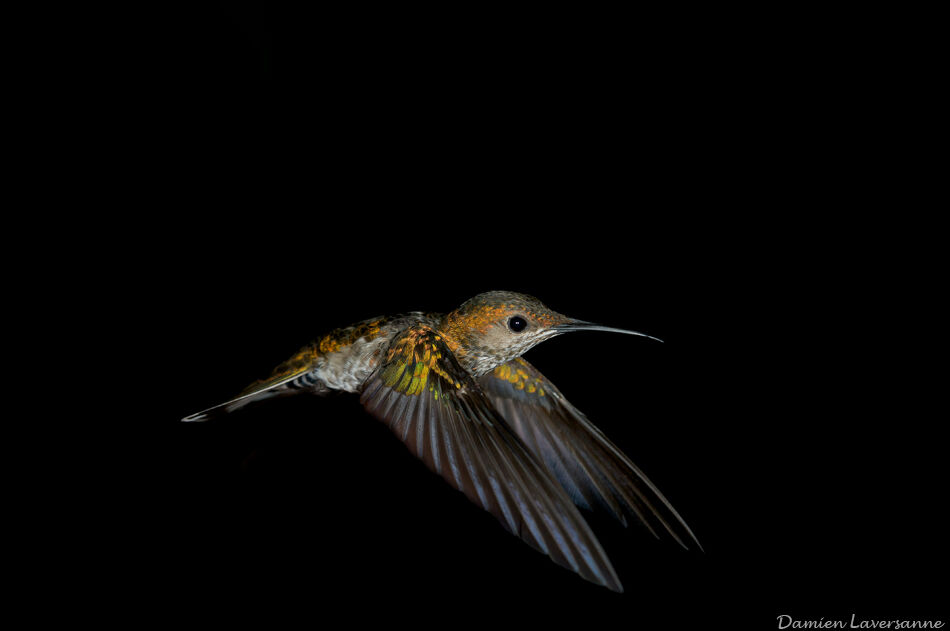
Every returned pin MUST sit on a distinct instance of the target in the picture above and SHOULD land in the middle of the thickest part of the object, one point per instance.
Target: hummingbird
(455, 389)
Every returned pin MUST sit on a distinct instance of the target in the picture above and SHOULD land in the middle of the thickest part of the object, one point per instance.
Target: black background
(662, 173)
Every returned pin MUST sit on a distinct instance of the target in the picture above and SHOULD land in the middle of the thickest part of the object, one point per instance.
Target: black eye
(517, 324)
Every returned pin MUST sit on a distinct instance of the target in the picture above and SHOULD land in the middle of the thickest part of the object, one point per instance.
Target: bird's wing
(590, 468)
(439, 411)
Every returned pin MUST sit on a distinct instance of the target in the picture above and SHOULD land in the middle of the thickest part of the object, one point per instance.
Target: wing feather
(443, 417)
(592, 470)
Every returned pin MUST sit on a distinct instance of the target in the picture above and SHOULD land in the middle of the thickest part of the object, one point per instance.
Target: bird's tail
(233, 404)
(294, 375)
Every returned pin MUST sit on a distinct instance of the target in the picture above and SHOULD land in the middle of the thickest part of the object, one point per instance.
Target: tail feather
(228, 406)
(288, 384)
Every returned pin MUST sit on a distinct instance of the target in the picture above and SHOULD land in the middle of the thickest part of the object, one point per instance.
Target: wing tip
(690, 540)
(695, 540)
(608, 579)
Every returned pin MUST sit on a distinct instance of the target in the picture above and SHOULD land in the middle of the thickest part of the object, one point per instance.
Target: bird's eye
(517, 324)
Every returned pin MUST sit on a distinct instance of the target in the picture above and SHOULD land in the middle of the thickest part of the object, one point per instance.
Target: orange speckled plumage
(468, 328)
(341, 338)
(514, 373)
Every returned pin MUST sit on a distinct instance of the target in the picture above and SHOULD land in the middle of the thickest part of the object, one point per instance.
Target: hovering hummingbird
(456, 391)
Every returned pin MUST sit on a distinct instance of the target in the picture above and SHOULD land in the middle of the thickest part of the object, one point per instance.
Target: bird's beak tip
(583, 325)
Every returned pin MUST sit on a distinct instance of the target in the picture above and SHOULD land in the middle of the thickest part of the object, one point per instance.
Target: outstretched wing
(442, 415)
(589, 467)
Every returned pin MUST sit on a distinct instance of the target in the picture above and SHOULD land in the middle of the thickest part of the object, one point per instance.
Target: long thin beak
(580, 325)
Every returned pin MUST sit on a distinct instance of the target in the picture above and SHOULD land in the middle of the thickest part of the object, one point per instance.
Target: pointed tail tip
(197, 417)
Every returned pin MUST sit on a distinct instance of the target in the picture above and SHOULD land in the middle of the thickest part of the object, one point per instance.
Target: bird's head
(495, 327)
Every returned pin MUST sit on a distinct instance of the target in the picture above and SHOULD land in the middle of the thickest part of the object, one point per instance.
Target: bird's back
(344, 358)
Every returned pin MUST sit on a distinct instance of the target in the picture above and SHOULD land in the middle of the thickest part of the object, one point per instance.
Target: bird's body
(455, 389)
